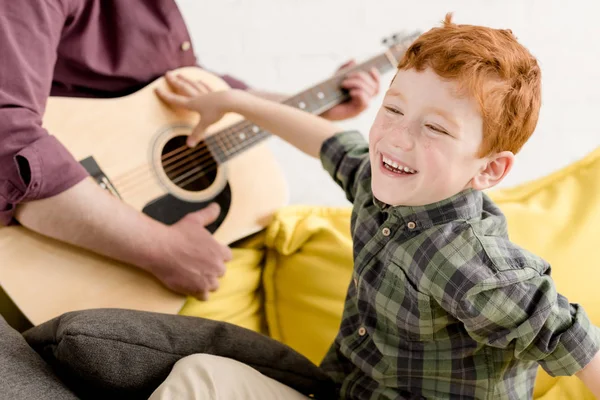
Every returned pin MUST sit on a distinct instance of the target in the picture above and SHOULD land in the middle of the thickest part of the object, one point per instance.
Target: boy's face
(433, 135)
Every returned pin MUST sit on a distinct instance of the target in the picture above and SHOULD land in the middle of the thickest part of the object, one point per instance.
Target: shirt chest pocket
(405, 311)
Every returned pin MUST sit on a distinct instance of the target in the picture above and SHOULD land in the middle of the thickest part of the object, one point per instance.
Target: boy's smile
(393, 166)
(424, 141)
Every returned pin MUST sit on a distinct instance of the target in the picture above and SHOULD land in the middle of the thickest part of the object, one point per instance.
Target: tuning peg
(400, 38)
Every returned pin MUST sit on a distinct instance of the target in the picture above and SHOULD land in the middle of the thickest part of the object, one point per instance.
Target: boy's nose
(403, 138)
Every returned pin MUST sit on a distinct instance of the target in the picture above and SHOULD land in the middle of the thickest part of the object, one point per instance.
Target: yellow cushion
(239, 299)
(308, 260)
(308, 265)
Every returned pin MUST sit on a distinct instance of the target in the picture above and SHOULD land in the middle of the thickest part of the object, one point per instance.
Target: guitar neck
(317, 99)
(329, 93)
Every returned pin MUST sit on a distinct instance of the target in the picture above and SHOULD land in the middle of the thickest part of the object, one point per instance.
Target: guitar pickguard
(169, 209)
(92, 167)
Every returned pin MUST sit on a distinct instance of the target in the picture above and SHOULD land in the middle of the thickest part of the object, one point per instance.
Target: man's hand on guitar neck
(361, 86)
(184, 256)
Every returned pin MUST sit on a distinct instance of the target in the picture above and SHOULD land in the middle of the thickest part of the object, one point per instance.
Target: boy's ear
(493, 171)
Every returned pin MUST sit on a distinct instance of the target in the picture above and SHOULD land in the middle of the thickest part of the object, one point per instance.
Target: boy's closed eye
(438, 130)
(393, 110)
(434, 128)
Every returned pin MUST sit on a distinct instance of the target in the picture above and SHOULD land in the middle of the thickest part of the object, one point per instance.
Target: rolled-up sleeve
(342, 156)
(528, 314)
(33, 164)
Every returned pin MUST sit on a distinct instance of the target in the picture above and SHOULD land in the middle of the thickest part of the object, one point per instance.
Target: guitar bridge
(99, 176)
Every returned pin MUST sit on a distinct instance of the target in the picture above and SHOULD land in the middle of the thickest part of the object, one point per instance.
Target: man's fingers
(227, 254)
(358, 82)
(213, 283)
(370, 83)
(360, 97)
(374, 73)
(346, 65)
(202, 296)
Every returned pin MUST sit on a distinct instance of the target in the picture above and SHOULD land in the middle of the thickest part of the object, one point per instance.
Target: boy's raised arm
(305, 131)
(590, 375)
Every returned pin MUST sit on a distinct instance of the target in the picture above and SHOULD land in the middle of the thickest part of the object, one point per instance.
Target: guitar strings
(128, 189)
(173, 155)
(195, 155)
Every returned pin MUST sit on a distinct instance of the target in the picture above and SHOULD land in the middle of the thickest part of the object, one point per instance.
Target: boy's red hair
(491, 66)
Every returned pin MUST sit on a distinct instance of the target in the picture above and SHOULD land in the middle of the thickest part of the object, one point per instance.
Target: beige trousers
(207, 377)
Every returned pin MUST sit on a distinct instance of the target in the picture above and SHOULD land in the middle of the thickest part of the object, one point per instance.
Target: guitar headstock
(399, 42)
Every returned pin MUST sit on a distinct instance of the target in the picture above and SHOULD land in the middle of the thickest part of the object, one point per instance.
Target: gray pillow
(115, 353)
(23, 373)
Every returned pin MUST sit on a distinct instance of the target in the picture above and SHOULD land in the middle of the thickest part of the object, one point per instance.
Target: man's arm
(184, 256)
(33, 165)
(46, 187)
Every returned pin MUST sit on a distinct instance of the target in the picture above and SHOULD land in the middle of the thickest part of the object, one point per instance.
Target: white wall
(287, 45)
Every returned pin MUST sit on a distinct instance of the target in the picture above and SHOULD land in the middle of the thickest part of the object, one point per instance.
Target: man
(102, 48)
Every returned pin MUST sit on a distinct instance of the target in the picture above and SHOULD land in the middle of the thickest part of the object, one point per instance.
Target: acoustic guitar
(134, 148)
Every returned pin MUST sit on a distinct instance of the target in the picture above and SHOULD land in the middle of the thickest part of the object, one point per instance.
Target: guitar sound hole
(192, 169)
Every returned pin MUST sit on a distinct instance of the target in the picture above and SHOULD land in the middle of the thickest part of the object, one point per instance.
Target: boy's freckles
(412, 132)
(427, 144)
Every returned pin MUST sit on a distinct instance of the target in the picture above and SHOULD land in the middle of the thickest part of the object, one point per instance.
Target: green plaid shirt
(442, 304)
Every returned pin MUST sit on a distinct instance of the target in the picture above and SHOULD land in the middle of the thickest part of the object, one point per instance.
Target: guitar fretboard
(228, 143)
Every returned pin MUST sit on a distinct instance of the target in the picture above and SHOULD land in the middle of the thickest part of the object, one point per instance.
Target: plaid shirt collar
(465, 205)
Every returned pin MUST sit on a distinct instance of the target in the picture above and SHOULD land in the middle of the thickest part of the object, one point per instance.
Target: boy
(442, 304)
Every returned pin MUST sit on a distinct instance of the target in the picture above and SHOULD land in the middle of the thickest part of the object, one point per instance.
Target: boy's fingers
(172, 98)
(184, 86)
(196, 136)
(199, 87)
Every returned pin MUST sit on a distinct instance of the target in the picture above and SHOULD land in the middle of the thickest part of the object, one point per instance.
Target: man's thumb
(209, 214)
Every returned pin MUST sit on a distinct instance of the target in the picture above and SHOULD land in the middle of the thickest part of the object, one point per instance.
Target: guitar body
(128, 145)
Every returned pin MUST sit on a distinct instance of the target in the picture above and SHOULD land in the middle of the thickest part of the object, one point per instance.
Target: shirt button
(411, 225)
(362, 331)
(185, 46)
(386, 231)
(355, 282)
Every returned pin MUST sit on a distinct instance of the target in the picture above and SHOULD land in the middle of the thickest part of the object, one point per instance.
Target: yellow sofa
(300, 266)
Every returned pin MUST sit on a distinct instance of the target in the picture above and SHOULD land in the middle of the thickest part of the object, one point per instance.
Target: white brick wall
(286, 45)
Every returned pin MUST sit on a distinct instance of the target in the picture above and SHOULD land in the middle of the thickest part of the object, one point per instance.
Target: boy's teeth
(397, 166)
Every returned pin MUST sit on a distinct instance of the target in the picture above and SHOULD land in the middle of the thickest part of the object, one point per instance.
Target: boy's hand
(195, 96)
